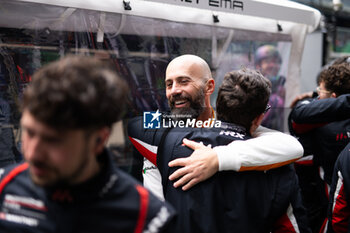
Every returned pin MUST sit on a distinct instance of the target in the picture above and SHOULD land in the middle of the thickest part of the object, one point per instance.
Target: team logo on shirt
(232, 134)
(22, 210)
(145, 169)
(342, 136)
(151, 120)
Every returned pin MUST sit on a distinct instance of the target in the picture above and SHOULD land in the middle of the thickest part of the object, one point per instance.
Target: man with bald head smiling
(189, 85)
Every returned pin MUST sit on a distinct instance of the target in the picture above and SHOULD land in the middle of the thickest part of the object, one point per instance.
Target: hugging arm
(269, 149)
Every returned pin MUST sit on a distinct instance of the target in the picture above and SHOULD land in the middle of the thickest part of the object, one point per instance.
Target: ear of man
(101, 138)
(256, 122)
(210, 87)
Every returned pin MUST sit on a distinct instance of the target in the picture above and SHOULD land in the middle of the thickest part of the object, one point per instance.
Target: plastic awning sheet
(144, 39)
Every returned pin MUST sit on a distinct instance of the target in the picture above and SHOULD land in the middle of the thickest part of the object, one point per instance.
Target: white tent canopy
(245, 19)
(256, 15)
(268, 20)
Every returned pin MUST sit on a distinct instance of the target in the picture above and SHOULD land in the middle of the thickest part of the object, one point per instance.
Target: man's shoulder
(12, 171)
(222, 135)
(344, 157)
(130, 192)
(214, 136)
(137, 129)
(17, 178)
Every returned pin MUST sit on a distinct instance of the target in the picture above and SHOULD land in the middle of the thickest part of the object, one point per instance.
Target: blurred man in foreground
(69, 182)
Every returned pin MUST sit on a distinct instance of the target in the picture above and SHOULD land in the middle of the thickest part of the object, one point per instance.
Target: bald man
(189, 84)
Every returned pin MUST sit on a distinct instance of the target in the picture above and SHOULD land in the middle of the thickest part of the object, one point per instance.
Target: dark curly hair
(243, 95)
(337, 78)
(76, 92)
